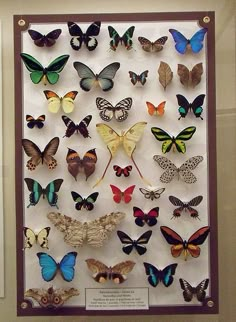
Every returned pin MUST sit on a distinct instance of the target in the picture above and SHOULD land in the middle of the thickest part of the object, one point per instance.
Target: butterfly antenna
(179, 117)
(139, 172)
(97, 183)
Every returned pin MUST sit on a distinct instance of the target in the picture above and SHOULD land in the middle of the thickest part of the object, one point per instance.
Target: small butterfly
(195, 43)
(38, 156)
(119, 195)
(104, 79)
(131, 244)
(88, 38)
(195, 106)
(150, 46)
(135, 78)
(37, 191)
(190, 77)
(86, 203)
(185, 206)
(125, 39)
(116, 273)
(49, 74)
(183, 171)
(187, 247)
(47, 40)
(32, 238)
(155, 275)
(50, 267)
(191, 291)
(158, 110)
(77, 165)
(82, 127)
(119, 111)
(125, 171)
(32, 122)
(152, 194)
(55, 101)
(142, 218)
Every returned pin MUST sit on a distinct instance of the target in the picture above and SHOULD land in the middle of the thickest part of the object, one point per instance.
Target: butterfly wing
(54, 101)
(34, 67)
(167, 274)
(170, 169)
(184, 105)
(192, 203)
(109, 136)
(88, 162)
(105, 77)
(88, 78)
(180, 41)
(66, 266)
(51, 192)
(51, 37)
(196, 239)
(78, 36)
(99, 270)
(190, 164)
(36, 191)
(153, 274)
(127, 241)
(119, 271)
(121, 108)
(143, 77)
(48, 266)
(184, 135)
(133, 77)
(188, 290)
(90, 200)
(140, 218)
(42, 237)
(71, 127)
(177, 202)
(33, 151)
(197, 105)
(162, 135)
(200, 290)
(127, 194)
(83, 126)
(30, 237)
(132, 136)
(126, 38)
(117, 193)
(173, 239)
(184, 74)
(38, 38)
(49, 151)
(146, 44)
(196, 42)
(115, 38)
(196, 74)
(55, 67)
(93, 30)
(106, 109)
(141, 241)
(67, 101)
(74, 162)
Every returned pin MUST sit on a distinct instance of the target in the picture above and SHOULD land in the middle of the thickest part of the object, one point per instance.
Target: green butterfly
(48, 74)
(125, 39)
(176, 142)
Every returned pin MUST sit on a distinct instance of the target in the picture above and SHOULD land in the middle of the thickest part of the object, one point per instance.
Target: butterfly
(185, 206)
(135, 78)
(171, 141)
(55, 101)
(95, 232)
(152, 194)
(190, 291)
(51, 298)
(49, 74)
(119, 111)
(77, 165)
(125, 171)
(131, 244)
(142, 218)
(104, 79)
(182, 43)
(50, 267)
(155, 275)
(86, 203)
(47, 40)
(150, 46)
(32, 238)
(38, 156)
(158, 110)
(82, 127)
(119, 195)
(165, 74)
(32, 122)
(195, 106)
(187, 247)
(125, 39)
(78, 37)
(37, 191)
(183, 171)
(190, 77)
(116, 273)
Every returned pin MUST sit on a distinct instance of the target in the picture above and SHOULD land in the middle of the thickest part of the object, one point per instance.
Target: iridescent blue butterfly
(135, 78)
(156, 275)
(50, 267)
(182, 43)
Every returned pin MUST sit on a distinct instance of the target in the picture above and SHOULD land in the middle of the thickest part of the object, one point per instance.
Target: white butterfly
(152, 194)
(119, 111)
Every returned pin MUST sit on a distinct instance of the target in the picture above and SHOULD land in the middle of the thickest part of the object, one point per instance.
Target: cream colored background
(226, 142)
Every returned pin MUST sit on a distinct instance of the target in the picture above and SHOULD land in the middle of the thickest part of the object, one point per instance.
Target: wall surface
(226, 138)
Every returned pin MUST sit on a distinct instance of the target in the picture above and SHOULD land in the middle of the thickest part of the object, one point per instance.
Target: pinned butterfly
(155, 275)
(32, 238)
(158, 110)
(165, 74)
(198, 291)
(195, 106)
(185, 206)
(32, 122)
(125, 40)
(138, 78)
(47, 40)
(55, 102)
(130, 244)
(86, 203)
(142, 218)
(119, 195)
(125, 171)
(81, 128)
(190, 77)
(152, 193)
(119, 112)
(154, 46)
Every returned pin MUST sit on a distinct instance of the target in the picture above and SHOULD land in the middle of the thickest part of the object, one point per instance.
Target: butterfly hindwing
(138, 244)
(125, 39)
(156, 275)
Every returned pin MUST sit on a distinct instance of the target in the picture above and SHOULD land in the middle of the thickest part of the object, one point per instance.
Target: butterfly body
(86, 203)
(81, 128)
(125, 171)
(32, 122)
(130, 244)
(152, 194)
(156, 110)
(195, 106)
(141, 78)
(32, 238)
(155, 276)
(150, 46)
(119, 195)
(190, 77)
(142, 218)
(55, 101)
(123, 40)
(191, 291)
(185, 206)
(47, 40)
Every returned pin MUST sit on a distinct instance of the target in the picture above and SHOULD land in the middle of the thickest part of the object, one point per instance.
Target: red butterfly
(125, 171)
(148, 218)
(119, 195)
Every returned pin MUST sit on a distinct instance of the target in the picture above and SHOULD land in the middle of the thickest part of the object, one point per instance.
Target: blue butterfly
(156, 275)
(181, 43)
(50, 266)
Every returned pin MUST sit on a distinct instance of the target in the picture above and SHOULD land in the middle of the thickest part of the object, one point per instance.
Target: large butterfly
(150, 46)
(37, 191)
(32, 238)
(47, 40)
(190, 77)
(55, 101)
(116, 273)
(183, 171)
(81, 128)
(125, 39)
(142, 218)
(190, 246)
(130, 244)
(191, 291)
(50, 267)
(49, 74)
(38, 156)
(125, 171)
(185, 206)
(195, 43)
(155, 275)
(77, 165)
(152, 194)
(32, 122)
(88, 38)
(195, 106)
(158, 110)
(104, 79)
(119, 111)
(141, 78)
(119, 195)
(82, 202)
(171, 141)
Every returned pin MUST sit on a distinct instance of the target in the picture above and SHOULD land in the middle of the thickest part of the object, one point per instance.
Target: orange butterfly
(153, 110)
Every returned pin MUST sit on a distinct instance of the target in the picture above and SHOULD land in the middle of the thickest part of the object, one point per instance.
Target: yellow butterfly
(32, 238)
(55, 101)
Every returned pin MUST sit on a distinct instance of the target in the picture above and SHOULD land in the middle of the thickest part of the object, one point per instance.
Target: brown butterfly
(38, 156)
(190, 77)
(150, 46)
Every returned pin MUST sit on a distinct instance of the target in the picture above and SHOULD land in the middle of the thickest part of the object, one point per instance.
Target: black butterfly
(185, 206)
(86, 203)
(195, 106)
(44, 40)
(125, 39)
(138, 244)
(32, 122)
(82, 127)
(190, 291)
(156, 275)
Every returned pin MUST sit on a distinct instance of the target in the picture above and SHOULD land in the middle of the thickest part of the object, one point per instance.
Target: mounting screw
(24, 305)
(206, 19)
(21, 22)
(210, 303)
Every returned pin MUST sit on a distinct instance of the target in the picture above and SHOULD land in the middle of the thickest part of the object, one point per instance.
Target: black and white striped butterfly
(130, 244)
(82, 127)
(185, 206)
(151, 194)
(119, 111)
(135, 78)
(191, 291)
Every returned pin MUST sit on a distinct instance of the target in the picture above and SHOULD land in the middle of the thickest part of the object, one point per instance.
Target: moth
(138, 78)
(47, 40)
(130, 244)
(158, 110)
(190, 77)
(155, 275)
(190, 291)
(32, 238)
(195, 106)
(185, 206)
(119, 112)
(81, 202)
(152, 194)
(81, 128)
(154, 46)
(142, 218)
(125, 40)
(165, 74)
(66, 102)
(125, 171)
(32, 122)
(119, 195)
